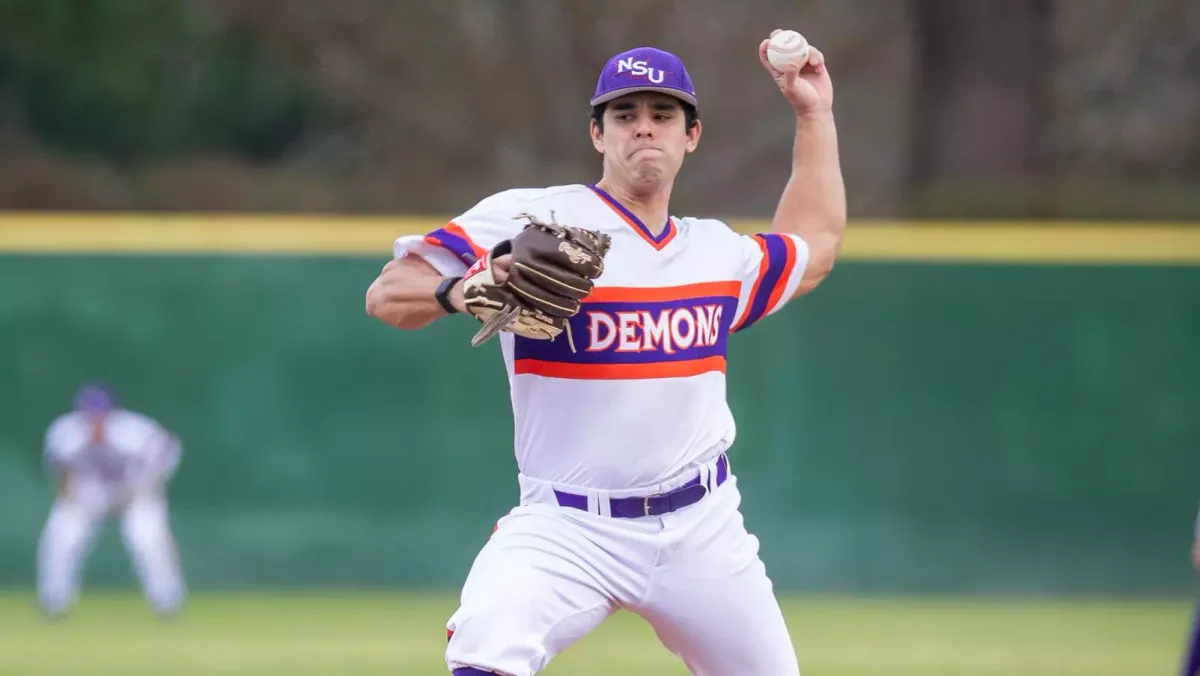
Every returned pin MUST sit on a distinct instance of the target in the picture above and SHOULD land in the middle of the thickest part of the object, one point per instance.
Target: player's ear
(693, 136)
(597, 135)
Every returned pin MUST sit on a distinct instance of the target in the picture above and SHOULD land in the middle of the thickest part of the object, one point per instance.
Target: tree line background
(946, 108)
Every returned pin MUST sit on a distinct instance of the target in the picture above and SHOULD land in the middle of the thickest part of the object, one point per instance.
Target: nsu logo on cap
(641, 68)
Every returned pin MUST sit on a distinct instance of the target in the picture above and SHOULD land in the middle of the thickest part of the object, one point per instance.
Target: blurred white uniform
(119, 465)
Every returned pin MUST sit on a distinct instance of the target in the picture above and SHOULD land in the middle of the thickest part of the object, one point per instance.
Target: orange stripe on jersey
(788, 262)
(665, 369)
(660, 294)
(762, 271)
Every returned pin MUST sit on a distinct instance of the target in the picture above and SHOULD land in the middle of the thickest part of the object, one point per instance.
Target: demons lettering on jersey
(631, 333)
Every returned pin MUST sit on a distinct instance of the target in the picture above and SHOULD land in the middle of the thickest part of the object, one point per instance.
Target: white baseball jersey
(128, 449)
(643, 395)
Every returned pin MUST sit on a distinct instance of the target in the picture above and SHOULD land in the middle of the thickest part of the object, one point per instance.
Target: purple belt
(652, 505)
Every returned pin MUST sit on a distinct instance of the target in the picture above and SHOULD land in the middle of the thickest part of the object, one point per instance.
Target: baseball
(787, 52)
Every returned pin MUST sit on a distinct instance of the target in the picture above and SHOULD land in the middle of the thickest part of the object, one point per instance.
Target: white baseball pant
(549, 575)
(70, 531)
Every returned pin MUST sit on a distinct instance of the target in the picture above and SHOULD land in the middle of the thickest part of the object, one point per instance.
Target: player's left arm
(161, 454)
(154, 455)
(813, 204)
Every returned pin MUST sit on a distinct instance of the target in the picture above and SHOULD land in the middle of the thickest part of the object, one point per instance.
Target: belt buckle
(646, 502)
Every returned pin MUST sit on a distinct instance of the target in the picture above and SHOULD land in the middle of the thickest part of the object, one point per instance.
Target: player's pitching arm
(813, 204)
(403, 294)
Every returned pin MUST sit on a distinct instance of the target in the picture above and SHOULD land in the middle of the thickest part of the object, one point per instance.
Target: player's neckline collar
(658, 242)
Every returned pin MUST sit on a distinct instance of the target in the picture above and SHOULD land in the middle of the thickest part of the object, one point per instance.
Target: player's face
(645, 139)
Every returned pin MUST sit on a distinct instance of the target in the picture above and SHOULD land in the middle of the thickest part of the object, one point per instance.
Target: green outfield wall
(910, 427)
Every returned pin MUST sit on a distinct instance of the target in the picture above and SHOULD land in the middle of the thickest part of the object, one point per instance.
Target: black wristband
(443, 294)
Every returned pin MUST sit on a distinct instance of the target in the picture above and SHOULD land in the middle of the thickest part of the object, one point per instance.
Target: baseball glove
(553, 268)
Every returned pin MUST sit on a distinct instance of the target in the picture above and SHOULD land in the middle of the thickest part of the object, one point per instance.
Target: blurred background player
(1191, 660)
(107, 460)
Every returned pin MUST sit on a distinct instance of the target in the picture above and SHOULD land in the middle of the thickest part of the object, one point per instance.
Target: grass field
(353, 634)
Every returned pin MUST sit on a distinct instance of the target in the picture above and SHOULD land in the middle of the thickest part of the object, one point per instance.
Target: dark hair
(690, 115)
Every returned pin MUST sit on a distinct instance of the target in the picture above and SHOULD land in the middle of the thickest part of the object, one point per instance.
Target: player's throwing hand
(809, 90)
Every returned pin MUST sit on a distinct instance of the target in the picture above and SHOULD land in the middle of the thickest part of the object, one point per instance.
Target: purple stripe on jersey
(776, 261)
(459, 246)
(640, 332)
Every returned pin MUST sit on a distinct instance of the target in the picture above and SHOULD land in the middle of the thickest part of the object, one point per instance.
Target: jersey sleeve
(771, 267)
(162, 452)
(454, 247)
(153, 450)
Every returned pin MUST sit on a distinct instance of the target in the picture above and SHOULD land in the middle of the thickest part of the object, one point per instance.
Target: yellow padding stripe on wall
(951, 241)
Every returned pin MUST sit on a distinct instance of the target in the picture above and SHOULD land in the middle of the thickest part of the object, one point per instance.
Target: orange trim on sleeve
(790, 246)
(668, 369)
(455, 229)
(762, 271)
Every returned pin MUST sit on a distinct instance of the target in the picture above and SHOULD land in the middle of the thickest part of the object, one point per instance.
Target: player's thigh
(714, 604)
(146, 531)
(145, 518)
(70, 528)
(534, 589)
(725, 626)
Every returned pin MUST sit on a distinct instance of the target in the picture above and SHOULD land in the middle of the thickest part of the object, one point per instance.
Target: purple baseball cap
(94, 398)
(644, 69)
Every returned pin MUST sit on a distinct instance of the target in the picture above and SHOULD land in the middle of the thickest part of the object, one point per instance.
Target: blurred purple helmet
(94, 398)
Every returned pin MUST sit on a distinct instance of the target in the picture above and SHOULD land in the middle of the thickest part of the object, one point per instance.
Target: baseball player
(1191, 660)
(613, 319)
(107, 460)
